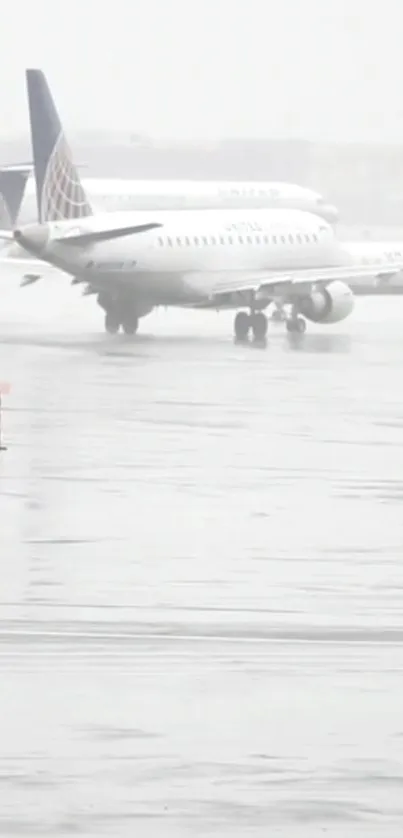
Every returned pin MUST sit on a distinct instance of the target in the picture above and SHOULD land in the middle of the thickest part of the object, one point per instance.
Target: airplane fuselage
(162, 264)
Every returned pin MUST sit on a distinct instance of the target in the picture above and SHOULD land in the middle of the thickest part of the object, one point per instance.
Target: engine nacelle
(329, 304)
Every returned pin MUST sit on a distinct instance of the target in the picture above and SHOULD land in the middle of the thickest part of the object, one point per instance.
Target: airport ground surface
(201, 601)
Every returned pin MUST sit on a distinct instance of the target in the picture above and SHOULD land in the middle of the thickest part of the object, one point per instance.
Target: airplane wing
(288, 283)
(214, 287)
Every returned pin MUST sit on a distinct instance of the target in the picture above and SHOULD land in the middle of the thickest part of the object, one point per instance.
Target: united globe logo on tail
(62, 195)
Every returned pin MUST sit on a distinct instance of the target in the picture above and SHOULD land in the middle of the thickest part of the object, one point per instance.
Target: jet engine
(329, 304)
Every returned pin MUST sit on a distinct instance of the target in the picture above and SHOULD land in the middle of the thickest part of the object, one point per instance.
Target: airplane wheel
(278, 316)
(112, 323)
(296, 325)
(242, 325)
(301, 325)
(130, 325)
(259, 325)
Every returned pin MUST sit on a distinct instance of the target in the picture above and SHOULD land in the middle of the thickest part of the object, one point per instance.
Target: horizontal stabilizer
(82, 239)
(6, 235)
(17, 167)
(29, 279)
(28, 167)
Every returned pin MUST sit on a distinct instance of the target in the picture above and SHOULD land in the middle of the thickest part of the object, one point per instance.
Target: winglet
(59, 191)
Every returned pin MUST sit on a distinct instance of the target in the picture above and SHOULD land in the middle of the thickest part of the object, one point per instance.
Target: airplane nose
(33, 237)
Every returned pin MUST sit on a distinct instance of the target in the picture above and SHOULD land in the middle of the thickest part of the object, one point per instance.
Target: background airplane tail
(59, 191)
(13, 180)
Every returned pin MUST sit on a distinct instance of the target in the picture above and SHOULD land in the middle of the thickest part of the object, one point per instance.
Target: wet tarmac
(201, 551)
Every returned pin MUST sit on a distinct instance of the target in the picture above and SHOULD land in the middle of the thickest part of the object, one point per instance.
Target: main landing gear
(295, 324)
(256, 322)
(278, 314)
(127, 321)
(293, 321)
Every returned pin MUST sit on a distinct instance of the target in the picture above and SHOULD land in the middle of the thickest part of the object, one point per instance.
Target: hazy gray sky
(316, 69)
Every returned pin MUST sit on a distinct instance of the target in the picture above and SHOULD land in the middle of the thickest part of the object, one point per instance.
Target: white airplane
(202, 259)
(116, 195)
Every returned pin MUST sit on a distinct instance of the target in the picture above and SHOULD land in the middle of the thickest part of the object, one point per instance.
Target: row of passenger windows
(249, 192)
(222, 193)
(201, 241)
(178, 196)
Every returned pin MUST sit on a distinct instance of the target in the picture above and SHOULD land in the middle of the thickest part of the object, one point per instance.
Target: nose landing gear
(118, 315)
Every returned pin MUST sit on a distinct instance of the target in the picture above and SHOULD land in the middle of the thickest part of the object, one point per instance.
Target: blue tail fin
(13, 180)
(59, 191)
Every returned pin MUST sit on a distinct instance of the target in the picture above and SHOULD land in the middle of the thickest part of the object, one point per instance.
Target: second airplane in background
(121, 194)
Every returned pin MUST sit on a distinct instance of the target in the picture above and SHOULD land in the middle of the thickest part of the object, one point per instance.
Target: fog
(263, 69)
(200, 542)
(307, 93)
